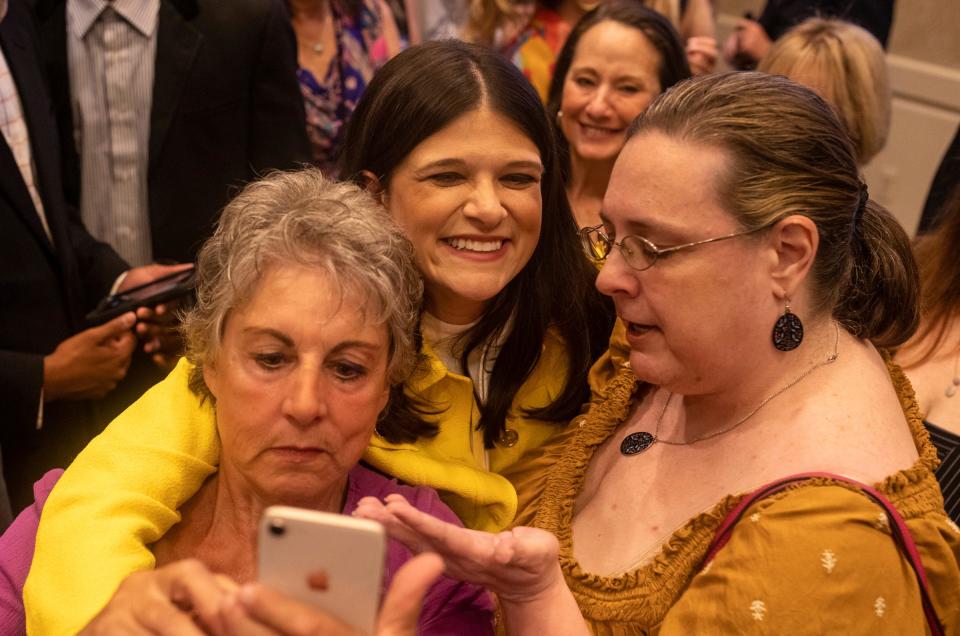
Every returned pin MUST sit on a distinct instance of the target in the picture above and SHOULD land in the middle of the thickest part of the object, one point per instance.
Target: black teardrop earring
(787, 331)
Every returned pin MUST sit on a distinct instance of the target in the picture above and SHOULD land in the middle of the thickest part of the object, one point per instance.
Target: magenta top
(450, 608)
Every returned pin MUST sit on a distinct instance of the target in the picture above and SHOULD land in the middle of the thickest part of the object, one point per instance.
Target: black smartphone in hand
(161, 290)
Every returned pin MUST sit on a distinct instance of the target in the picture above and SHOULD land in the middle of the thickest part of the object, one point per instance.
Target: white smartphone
(295, 543)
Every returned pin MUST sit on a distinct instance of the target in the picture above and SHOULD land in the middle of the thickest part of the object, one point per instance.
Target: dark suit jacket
(45, 289)
(876, 16)
(226, 107)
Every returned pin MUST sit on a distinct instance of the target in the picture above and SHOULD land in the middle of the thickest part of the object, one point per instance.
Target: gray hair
(302, 218)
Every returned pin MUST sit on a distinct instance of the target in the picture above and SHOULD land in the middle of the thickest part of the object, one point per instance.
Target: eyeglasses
(638, 252)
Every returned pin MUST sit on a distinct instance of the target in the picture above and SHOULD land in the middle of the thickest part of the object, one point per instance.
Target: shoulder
(820, 556)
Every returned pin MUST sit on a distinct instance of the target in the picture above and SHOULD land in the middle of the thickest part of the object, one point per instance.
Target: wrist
(551, 610)
(48, 389)
(552, 589)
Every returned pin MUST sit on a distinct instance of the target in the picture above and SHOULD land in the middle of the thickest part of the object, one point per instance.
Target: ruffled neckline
(653, 587)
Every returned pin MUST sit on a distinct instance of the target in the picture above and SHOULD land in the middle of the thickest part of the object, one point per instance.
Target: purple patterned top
(361, 50)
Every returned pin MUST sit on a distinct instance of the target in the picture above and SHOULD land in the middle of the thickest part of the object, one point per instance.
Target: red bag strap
(898, 529)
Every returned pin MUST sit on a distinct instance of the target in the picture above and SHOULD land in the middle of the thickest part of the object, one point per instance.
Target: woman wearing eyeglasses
(760, 288)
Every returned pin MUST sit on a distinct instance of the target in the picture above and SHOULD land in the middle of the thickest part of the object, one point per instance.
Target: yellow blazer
(123, 492)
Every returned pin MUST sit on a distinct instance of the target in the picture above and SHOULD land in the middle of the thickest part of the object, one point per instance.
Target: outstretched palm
(518, 565)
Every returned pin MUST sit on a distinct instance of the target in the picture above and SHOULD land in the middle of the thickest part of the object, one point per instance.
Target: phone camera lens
(277, 528)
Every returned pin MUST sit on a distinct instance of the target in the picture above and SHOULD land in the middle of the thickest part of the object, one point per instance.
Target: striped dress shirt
(111, 50)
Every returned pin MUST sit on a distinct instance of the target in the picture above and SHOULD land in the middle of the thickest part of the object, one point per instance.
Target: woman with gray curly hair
(307, 300)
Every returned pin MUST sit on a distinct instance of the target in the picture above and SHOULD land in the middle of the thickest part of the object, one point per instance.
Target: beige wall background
(926, 30)
(924, 62)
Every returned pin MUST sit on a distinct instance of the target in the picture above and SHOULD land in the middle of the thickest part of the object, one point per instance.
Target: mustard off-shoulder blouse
(817, 558)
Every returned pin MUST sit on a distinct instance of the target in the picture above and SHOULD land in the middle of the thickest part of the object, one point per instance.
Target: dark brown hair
(937, 257)
(420, 92)
(791, 155)
(655, 27)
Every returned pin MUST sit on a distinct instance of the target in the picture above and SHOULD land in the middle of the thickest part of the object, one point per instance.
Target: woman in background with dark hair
(618, 57)
(532, 32)
(459, 150)
(932, 357)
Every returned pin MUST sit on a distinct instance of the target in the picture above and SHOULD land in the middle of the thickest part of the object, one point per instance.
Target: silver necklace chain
(830, 360)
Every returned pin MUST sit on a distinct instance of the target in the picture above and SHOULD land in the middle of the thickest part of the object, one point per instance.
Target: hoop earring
(788, 330)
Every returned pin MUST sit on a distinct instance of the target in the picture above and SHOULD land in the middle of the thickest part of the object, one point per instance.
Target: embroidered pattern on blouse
(879, 606)
(759, 610)
(882, 523)
(829, 560)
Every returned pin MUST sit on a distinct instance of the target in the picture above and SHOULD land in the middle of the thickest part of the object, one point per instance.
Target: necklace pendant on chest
(636, 443)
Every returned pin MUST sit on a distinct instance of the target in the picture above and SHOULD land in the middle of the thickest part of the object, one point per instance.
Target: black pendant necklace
(642, 440)
(636, 443)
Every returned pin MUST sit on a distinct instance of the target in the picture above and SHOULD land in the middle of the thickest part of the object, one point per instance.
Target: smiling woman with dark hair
(618, 57)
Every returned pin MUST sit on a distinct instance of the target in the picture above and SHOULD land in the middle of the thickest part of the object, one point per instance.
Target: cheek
(630, 109)
(528, 215)
(423, 213)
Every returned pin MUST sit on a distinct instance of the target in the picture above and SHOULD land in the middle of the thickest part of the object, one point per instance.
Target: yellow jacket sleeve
(113, 501)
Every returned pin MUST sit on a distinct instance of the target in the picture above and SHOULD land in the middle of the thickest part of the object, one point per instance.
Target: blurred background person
(437, 19)
(618, 57)
(944, 181)
(846, 66)
(340, 45)
(458, 148)
(165, 108)
(932, 357)
(53, 365)
(308, 297)
(532, 34)
(752, 39)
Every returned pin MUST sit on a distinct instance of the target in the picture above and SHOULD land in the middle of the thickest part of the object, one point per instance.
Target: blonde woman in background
(846, 66)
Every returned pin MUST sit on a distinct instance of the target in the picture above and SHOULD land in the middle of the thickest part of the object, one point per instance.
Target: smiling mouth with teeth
(474, 246)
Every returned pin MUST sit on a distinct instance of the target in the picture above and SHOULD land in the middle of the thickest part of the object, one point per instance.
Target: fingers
(113, 328)
(192, 587)
(237, 622)
(373, 509)
(124, 345)
(164, 362)
(534, 548)
(452, 542)
(273, 610)
(401, 607)
(166, 619)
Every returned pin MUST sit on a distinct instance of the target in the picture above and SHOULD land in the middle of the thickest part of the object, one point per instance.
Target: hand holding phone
(160, 290)
(295, 545)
